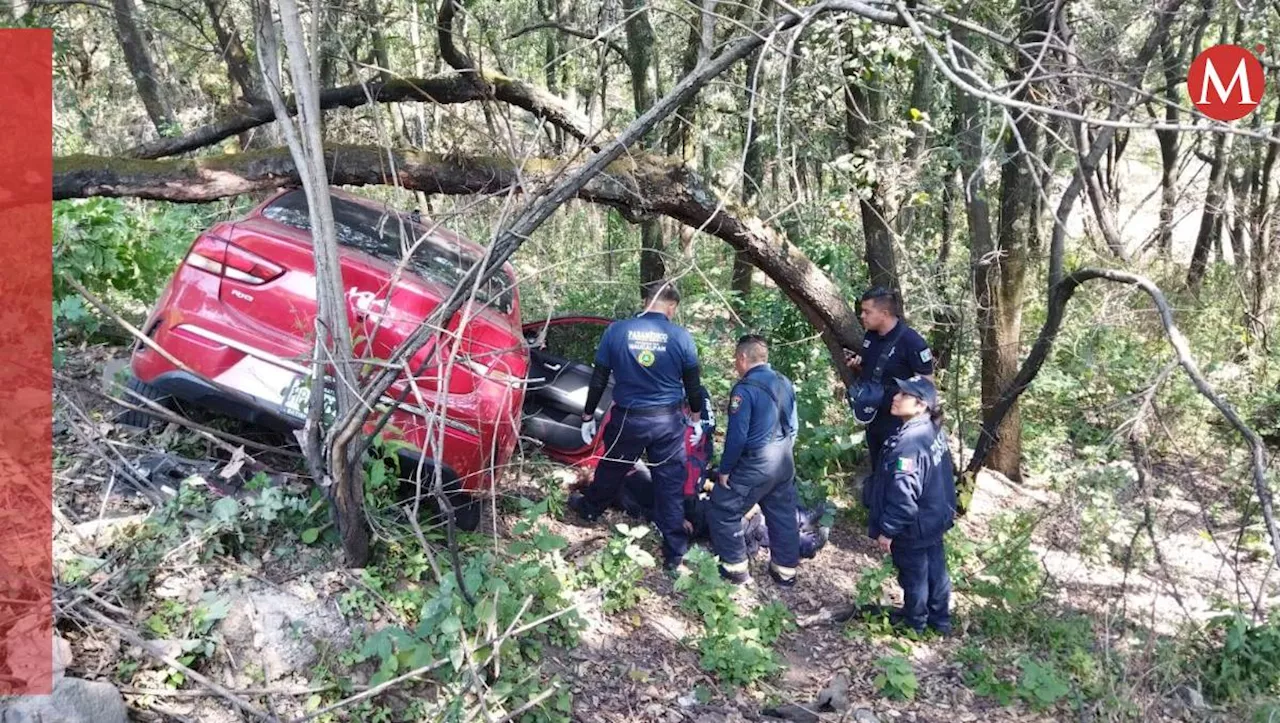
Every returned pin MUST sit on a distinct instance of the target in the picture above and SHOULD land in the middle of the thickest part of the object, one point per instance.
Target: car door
(561, 352)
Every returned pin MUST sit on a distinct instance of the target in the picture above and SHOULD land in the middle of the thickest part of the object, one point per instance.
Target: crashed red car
(239, 314)
(239, 311)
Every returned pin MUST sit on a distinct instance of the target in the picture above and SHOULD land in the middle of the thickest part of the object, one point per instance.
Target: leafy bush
(1244, 662)
(122, 251)
(736, 647)
(619, 567)
(896, 679)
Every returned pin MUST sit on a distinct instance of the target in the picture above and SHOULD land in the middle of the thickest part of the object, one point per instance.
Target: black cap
(922, 389)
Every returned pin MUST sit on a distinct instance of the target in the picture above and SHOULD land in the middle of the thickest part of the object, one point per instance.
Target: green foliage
(619, 567)
(206, 526)
(524, 583)
(735, 646)
(1040, 685)
(191, 628)
(123, 251)
(1244, 660)
(896, 679)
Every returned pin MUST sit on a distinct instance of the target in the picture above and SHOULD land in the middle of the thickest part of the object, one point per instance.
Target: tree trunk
(753, 163)
(682, 136)
(331, 41)
(137, 56)
(552, 62)
(865, 115)
(334, 346)
(239, 70)
(1209, 237)
(1169, 153)
(640, 60)
(999, 273)
(1266, 247)
(918, 143)
(1210, 233)
(381, 50)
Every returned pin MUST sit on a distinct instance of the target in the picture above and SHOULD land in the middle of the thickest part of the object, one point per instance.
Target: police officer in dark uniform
(912, 504)
(757, 467)
(894, 350)
(655, 367)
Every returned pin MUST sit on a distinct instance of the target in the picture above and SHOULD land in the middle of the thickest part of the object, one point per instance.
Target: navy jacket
(910, 356)
(911, 498)
(754, 416)
(648, 355)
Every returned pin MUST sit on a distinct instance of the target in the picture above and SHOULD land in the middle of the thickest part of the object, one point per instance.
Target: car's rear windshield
(388, 235)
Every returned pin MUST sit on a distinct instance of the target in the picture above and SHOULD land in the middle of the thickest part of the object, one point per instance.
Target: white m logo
(1241, 76)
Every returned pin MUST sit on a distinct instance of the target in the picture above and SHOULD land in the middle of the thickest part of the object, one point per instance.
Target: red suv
(239, 314)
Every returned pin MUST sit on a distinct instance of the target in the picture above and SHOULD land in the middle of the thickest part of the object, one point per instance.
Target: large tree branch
(444, 89)
(1059, 295)
(639, 182)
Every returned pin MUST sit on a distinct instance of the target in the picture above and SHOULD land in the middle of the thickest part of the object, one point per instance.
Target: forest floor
(642, 664)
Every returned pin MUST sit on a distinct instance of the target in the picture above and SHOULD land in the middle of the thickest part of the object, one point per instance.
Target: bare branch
(575, 32)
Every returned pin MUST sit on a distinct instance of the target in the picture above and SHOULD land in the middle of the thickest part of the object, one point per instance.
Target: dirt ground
(639, 665)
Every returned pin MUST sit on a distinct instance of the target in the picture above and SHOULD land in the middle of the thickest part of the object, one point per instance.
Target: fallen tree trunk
(636, 183)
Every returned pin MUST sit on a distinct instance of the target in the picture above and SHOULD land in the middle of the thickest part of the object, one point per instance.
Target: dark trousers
(926, 587)
(660, 438)
(765, 477)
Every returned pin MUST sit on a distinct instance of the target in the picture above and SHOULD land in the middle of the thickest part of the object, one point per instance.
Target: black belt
(650, 411)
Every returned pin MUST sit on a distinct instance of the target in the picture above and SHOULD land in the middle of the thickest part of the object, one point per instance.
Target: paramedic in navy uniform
(654, 363)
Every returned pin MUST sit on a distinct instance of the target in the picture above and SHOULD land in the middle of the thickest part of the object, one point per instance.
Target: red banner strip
(26, 362)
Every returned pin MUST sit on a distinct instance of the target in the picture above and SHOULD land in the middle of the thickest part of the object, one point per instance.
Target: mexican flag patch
(906, 464)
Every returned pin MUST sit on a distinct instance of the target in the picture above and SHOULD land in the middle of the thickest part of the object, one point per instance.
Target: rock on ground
(74, 700)
(277, 629)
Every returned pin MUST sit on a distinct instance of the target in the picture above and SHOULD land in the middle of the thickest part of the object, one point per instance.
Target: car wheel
(134, 418)
(467, 508)
(466, 511)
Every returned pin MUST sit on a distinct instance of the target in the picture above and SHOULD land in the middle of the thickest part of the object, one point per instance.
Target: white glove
(589, 432)
(697, 433)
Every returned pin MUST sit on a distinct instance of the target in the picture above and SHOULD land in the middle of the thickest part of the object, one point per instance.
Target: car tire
(467, 510)
(134, 418)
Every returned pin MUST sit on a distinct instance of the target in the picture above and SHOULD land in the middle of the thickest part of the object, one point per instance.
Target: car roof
(438, 230)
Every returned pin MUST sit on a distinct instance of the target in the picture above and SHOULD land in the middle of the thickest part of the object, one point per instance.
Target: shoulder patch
(926, 355)
(906, 464)
(865, 342)
(735, 403)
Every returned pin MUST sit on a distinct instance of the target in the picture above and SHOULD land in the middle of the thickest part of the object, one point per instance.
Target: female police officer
(912, 502)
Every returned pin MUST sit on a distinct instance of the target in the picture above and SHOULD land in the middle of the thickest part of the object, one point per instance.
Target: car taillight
(232, 262)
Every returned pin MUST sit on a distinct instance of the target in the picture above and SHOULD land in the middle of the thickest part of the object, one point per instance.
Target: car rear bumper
(193, 389)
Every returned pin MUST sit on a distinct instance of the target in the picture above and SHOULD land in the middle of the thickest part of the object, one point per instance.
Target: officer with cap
(912, 504)
(757, 467)
(655, 367)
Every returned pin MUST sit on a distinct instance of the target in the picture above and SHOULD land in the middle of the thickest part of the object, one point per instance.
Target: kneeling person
(757, 467)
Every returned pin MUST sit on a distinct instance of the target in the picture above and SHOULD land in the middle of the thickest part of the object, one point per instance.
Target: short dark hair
(662, 290)
(884, 298)
(753, 347)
